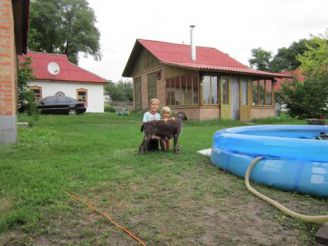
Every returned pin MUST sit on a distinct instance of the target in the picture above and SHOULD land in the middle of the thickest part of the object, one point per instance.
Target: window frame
(86, 95)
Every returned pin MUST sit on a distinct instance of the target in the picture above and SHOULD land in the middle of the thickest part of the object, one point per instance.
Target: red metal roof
(295, 74)
(206, 58)
(69, 72)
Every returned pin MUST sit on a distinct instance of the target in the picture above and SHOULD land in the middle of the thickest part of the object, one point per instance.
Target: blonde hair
(166, 109)
(154, 100)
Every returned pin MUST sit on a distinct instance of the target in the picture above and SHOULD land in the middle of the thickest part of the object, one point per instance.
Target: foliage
(24, 74)
(286, 58)
(63, 26)
(121, 91)
(109, 108)
(315, 59)
(308, 99)
(261, 59)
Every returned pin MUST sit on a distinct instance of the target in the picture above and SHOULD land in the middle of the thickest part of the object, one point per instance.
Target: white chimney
(192, 44)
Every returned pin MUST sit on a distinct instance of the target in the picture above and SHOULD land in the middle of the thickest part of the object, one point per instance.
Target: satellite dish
(53, 68)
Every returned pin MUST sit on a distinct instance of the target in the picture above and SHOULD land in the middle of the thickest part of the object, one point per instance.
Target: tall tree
(260, 59)
(315, 59)
(121, 91)
(286, 58)
(64, 26)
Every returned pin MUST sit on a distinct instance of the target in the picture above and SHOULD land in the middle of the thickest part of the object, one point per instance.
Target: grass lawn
(164, 198)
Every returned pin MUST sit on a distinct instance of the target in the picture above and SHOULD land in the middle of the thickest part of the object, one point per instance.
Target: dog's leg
(176, 145)
(143, 146)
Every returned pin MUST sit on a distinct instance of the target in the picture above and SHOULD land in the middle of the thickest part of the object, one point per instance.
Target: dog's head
(182, 116)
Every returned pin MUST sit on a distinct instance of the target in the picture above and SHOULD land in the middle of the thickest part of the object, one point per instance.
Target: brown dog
(164, 129)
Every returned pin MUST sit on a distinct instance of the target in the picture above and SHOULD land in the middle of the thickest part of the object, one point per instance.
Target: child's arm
(145, 118)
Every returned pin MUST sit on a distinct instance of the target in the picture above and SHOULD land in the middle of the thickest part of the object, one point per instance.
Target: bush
(308, 99)
(109, 108)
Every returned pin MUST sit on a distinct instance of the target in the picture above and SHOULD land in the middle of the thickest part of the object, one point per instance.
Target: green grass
(166, 199)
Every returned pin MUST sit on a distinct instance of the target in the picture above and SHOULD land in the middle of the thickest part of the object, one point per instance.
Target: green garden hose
(320, 219)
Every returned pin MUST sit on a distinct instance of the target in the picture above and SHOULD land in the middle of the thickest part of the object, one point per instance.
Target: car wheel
(72, 111)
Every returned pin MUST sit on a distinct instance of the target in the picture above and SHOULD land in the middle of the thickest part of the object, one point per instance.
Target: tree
(286, 58)
(63, 26)
(24, 74)
(121, 91)
(315, 59)
(308, 99)
(260, 59)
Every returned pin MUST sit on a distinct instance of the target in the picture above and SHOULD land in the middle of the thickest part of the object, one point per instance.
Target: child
(152, 114)
(166, 115)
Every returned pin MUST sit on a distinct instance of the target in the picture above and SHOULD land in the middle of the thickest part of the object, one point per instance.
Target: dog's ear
(142, 127)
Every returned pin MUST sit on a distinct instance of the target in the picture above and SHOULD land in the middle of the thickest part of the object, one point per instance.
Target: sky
(234, 27)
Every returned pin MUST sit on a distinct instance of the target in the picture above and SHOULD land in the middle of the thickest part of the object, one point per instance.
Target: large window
(225, 91)
(82, 96)
(182, 90)
(210, 90)
(262, 92)
(244, 92)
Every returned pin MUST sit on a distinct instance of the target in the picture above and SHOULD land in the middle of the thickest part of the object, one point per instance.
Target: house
(295, 75)
(13, 40)
(203, 82)
(54, 75)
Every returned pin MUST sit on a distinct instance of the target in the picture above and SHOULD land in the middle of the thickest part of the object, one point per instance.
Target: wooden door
(224, 98)
(234, 99)
(245, 105)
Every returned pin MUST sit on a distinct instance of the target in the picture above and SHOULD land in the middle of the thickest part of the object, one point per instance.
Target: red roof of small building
(69, 72)
(295, 75)
(180, 55)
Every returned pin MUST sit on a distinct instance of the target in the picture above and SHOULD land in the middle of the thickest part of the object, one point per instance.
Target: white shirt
(149, 117)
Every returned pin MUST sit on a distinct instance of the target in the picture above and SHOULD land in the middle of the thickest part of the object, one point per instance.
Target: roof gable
(69, 72)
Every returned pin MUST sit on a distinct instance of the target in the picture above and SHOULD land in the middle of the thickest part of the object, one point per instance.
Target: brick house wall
(7, 74)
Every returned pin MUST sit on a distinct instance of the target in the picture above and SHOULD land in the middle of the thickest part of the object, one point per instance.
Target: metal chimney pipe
(192, 44)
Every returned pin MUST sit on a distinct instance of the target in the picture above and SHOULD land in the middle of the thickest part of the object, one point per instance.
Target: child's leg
(167, 142)
(163, 145)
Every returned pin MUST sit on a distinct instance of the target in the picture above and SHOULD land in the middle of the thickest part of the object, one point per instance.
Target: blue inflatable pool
(293, 159)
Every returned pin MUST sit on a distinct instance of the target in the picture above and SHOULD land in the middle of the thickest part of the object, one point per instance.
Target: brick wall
(262, 112)
(7, 74)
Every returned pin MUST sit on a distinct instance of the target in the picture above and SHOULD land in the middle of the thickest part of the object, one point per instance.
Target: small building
(203, 82)
(13, 40)
(54, 75)
(294, 75)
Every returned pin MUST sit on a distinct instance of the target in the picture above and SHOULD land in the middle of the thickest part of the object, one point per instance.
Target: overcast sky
(232, 26)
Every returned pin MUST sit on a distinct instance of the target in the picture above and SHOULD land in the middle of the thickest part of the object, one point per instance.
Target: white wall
(95, 92)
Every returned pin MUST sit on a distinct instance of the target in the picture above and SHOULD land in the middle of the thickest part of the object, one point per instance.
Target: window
(82, 96)
(262, 92)
(37, 91)
(225, 91)
(244, 93)
(210, 90)
(182, 90)
(255, 93)
(137, 93)
(268, 92)
(152, 86)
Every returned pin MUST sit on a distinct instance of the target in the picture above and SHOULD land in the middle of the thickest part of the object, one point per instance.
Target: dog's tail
(142, 128)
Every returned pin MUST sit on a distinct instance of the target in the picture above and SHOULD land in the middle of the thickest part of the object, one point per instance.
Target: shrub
(109, 108)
